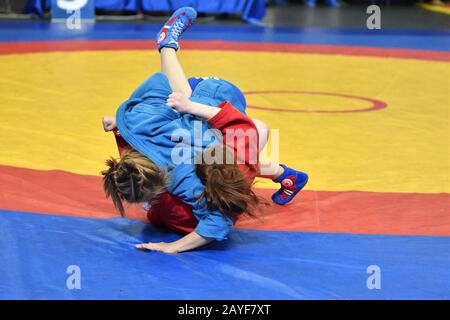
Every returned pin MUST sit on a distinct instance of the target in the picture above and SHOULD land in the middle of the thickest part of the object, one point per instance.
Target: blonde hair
(132, 178)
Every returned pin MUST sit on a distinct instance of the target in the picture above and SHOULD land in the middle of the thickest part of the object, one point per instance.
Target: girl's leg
(167, 43)
(267, 169)
(291, 181)
(270, 170)
(174, 72)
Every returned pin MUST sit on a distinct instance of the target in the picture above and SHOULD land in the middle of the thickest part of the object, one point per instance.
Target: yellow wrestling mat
(52, 104)
(435, 8)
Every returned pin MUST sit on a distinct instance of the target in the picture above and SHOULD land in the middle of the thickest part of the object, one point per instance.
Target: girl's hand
(179, 102)
(161, 247)
(109, 123)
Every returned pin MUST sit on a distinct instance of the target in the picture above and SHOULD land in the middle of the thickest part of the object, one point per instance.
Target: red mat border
(68, 194)
(95, 45)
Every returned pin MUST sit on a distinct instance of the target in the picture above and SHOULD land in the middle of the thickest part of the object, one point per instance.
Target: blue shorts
(237, 99)
(209, 91)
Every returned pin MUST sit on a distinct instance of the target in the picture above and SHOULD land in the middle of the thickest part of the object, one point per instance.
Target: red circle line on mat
(375, 104)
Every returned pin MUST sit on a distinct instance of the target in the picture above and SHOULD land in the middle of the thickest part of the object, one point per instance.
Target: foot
(292, 182)
(174, 27)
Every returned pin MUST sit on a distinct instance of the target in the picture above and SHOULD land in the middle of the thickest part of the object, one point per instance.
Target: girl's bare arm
(190, 241)
(181, 103)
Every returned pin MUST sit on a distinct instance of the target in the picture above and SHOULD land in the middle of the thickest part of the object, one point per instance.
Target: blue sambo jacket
(154, 129)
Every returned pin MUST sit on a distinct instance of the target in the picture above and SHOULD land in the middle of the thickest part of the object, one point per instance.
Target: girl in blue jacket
(154, 130)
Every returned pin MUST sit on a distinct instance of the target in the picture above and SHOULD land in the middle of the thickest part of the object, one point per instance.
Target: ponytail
(133, 178)
(228, 189)
(110, 185)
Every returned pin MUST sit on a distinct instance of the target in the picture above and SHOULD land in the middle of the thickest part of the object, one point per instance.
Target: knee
(263, 133)
(263, 129)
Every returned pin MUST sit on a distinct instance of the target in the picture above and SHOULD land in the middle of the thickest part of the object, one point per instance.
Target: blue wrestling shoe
(174, 27)
(292, 182)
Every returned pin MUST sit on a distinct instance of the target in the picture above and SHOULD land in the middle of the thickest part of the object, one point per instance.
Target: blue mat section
(37, 249)
(406, 39)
